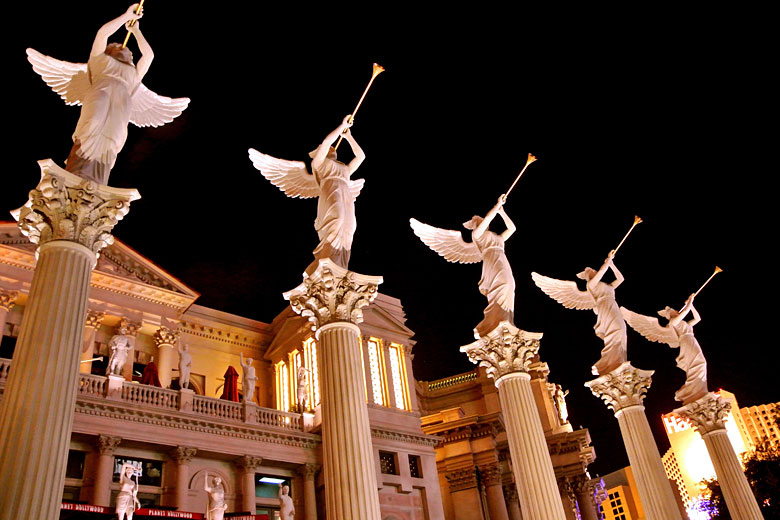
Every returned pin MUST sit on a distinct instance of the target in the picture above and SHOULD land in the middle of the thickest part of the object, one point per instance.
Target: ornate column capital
(249, 463)
(505, 350)
(94, 319)
(107, 444)
(707, 413)
(331, 294)
(131, 327)
(490, 474)
(309, 471)
(8, 299)
(183, 454)
(510, 491)
(461, 479)
(165, 336)
(622, 387)
(67, 207)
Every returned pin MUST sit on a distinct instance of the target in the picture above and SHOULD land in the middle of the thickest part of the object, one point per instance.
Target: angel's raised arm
(510, 226)
(322, 149)
(485, 224)
(360, 155)
(101, 38)
(147, 55)
(618, 275)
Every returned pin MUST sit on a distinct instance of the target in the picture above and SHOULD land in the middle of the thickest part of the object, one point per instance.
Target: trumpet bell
(377, 70)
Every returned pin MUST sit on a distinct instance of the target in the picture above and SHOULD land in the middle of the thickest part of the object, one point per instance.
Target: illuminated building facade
(622, 502)
(761, 423)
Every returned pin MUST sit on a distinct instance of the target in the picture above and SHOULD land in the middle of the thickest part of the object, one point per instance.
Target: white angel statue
(599, 296)
(497, 282)
(110, 91)
(331, 183)
(678, 333)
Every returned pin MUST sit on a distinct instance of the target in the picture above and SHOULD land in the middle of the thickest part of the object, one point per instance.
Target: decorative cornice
(707, 414)
(106, 444)
(461, 479)
(183, 454)
(622, 387)
(504, 350)
(425, 440)
(220, 335)
(66, 207)
(331, 293)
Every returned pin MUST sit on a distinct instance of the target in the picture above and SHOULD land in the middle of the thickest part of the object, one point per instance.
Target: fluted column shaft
(36, 413)
(248, 465)
(534, 476)
(165, 339)
(348, 460)
(182, 455)
(104, 470)
(308, 472)
(585, 502)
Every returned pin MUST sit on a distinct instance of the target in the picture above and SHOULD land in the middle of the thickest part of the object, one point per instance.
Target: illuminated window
(376, 367)
(295, 363)
(398, 375)
(310, 351)
(282, 386)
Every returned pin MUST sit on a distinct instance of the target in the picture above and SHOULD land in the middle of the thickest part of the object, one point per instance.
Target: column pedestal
(708, 415)
(332, 298)
(308, 472)
(623, 390)
(182, 455)
(506, 353)
(71, 219)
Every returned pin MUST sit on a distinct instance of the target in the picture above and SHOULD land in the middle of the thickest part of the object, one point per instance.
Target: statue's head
(472, 224)
(331, 153)
(668, 313)
(128, 470)
(285, 490)
(217, 481)
(119, 53)
(587, 274)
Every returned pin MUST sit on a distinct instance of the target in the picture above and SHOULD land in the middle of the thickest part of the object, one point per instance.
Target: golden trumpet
(717, 270)
(528, 161)
(376, 71)
(637, 220)
(132, 23)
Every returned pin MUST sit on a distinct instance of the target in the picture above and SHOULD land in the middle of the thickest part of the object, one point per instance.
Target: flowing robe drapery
(610, 327)
(335, 222)
(497, 283)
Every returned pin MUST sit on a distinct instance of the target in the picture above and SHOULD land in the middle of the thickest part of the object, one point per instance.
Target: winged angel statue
(108, 87)
(331, 183)
(678, 333)
(599, 296)
(497, 282)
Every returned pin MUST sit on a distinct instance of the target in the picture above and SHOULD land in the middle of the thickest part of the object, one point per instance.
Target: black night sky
(668, 119)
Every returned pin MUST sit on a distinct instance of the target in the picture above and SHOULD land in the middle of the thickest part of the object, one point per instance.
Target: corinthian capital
(107, 444)
(94, 319)
(249, 462)
(707, 413)
(66, 207)
(165, 336)
(8, 299)
(331, 294)
(183, 454)
(622, 387)
(505, 349)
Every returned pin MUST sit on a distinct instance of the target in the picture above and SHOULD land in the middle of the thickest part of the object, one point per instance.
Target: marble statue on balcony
(559, 397)
(185, 365)
(331, 183)
(120, 346)
(216, 508)
(111, 94)
(286, 507)
(127, 501)
(677, 333)
(497, 282)
(249, 379)
(303, 389)
(600, 297)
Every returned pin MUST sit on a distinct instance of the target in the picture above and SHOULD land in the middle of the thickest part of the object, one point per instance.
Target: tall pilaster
(491, 479)
(71, 219)
(332, 298)
(165, 340)
(623, 391)
(131, 329)
(101, 493)
(7, 302)
(708, 415)
(183, 456)
(248, 466)
(91, 326)
(506, 353)
(513, 505)
(583, 490)
(308, 472)
(464, 490)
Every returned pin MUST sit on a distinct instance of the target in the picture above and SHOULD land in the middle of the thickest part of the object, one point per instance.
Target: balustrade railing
(217, 408)
(5, 365)
(92, 385)
(451, 381)
(150, 395)
(279, 419)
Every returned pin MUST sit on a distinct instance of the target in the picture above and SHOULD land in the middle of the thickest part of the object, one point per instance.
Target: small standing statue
(216, 508)
(110, 91)
(678, 333)
(331, 183)
(185, 365)
(127, 499)
(286, 507)
(559, 397)
(303, 389)
(119, 345)
(497, 282)
(249, 378)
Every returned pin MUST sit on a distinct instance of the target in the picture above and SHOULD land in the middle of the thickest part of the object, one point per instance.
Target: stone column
(7, 302)
(101, 493)
(491, 479)
(131, 331)
(93, 322)
(567, 498)
(623, 390)
(165, 339)
(583, 490)
(506, 352)
(332, 298)
(708, 415)
(466, 500)
(248, 465)
(182, 455)
(308, 472)
(513, 505)
(70, 218)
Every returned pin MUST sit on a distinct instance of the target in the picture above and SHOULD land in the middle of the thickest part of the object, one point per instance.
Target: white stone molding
(505, 350)
(107, 444)
(333, 294)
(183, 454)
(622, 388)
(66, 207)
(707, 413)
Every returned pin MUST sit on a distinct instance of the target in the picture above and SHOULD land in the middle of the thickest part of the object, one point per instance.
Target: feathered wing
(355, 186)
(150, 109)
(564, 292)
(291, 177)
(650, 328)
(69, 80)
(447, 243)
